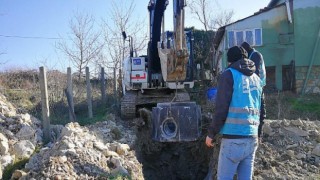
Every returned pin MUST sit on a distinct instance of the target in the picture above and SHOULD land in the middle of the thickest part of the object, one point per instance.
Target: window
(258, 37)
(239, 36)
(252, 36)
(249, 37)
(231, 39)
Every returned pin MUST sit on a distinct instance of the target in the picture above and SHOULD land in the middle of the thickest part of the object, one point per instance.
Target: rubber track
(128, 105)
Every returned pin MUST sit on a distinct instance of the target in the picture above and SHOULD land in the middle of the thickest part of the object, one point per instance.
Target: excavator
(158, 80)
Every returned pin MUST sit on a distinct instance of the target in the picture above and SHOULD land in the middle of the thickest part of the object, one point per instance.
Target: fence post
(103, 87)
(70, 92)
(89, 96)
(44, 105)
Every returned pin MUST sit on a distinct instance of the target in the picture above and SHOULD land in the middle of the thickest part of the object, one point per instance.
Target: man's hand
(209, 142)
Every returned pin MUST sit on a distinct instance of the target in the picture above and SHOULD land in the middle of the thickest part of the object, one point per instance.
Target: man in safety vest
(257, 58)
(237, 116)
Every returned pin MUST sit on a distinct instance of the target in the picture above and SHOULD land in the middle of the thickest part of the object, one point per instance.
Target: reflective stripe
(251, 111)
(242, 121)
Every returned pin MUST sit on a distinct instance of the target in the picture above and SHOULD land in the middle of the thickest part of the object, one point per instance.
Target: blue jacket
(244, 109)
(225, 93)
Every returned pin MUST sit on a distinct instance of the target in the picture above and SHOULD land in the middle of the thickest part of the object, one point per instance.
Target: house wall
(307, 45)
(277, 38)
(313, 82)
(285, 41)
(306, 29)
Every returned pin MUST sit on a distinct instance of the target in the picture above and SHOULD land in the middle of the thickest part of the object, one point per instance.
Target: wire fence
(23, 90)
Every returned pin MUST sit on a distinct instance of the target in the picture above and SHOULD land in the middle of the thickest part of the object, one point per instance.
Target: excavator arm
(170, 53)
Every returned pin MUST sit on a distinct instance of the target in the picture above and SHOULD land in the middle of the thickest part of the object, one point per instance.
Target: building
(287, 33)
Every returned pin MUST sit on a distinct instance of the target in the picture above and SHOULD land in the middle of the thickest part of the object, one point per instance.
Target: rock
(275, 124)
(316, 150)
(17, 174)
(109, 153)
(122, 149)
(116, 161)
(290, 153)
(26, 117)
(299, 162)
(6, 160)
(119, 170)
(292, 146)
(313, 169)
(26, 133)
(112, 146)
(301, 156)
(4, 146)
(297, 122)
(9, 113)
(99, 145)
(267, 130)
(23, 149)
(286, 122)
(70, 128)
(0, 171)
(297, 131)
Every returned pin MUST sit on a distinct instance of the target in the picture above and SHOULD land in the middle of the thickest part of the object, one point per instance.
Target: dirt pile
(102, 150)
(97, 151)
(290, 149)
(20, 134)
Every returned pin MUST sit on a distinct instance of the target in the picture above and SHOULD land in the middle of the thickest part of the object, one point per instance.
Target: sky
(30, 29)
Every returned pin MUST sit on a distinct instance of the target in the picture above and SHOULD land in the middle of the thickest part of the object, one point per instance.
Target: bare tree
(209, 14)
(223, 18)
(201, 9)
(117, 47)
(84, 46)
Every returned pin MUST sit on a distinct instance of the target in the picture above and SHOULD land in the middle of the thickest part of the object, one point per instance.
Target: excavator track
(128, 105)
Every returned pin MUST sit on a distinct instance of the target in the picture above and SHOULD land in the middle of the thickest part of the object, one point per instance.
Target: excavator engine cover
(176, 122)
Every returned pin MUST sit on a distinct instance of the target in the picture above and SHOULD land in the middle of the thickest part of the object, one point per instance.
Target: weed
(8, 171)
(119, 177)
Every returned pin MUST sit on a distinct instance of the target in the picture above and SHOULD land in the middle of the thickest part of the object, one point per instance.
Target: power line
(29, 37)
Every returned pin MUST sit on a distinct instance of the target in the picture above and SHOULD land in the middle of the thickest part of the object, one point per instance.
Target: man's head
(235, 53)
(246, 46)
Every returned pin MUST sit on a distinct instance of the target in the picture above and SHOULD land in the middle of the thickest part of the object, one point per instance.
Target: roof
(221, 30)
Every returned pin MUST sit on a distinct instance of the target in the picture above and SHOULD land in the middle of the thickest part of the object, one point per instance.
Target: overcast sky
(30, 28)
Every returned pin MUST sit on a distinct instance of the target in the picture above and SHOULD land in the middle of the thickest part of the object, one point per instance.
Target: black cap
(246, 46)
(235, 53)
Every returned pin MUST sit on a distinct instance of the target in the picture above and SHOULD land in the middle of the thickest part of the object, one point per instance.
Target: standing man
(237, 116)
(257, 58)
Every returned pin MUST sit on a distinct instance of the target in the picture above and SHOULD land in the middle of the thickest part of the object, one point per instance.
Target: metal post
(89, 96)
(44, 105)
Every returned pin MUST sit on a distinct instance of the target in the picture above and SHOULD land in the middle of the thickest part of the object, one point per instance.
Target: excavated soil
(170, 160)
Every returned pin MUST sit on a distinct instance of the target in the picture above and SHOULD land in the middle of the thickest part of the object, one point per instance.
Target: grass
(306, 104)
(20, 97)
(99, 114)
(8, 171)
(19, 164)
(119, 177)
(287, 105)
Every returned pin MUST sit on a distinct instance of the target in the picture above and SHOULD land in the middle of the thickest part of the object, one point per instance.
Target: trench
(172, 160)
